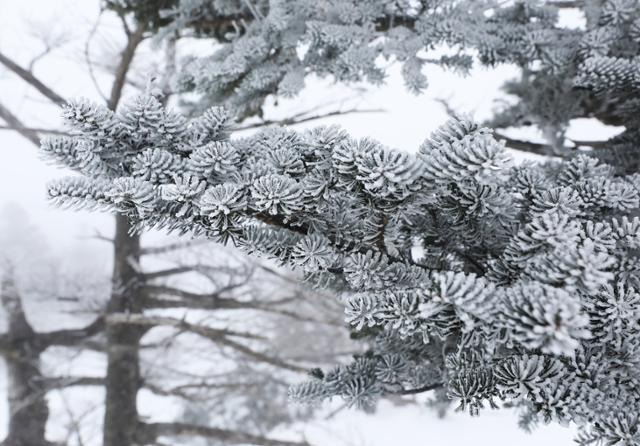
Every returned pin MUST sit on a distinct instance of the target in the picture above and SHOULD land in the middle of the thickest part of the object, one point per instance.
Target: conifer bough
(492, 281)
(486, 281)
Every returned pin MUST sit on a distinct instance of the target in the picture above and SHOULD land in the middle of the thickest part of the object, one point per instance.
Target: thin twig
(422, 389)
(293, 121)
(254, 11)
(155, 250)
(14, 123)
(87, 58)
(133, 41)
(38, 57)
(527, 146)
(34, 129)
(32, 80)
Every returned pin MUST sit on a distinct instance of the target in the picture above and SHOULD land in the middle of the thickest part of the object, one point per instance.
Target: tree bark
(123, 370)
(123, 340)
(28, 409)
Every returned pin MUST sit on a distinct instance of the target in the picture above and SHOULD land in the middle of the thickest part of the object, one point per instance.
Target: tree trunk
(123, 370)
(28, 410)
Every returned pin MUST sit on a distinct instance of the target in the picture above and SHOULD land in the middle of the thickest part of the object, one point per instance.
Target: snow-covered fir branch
(526, 288)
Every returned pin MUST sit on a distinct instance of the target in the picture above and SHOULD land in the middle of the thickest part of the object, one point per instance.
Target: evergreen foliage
(527, 290)
(592, 72)
(494, 282)
(269, 47)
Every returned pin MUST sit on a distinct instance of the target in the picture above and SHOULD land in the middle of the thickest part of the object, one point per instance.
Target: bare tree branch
(13, 121)
(33, 129)
(219, 336)
(187, 299)
(422, 389)
(87, 59)
(213, 301)
(527, 146)
(515, 144)
(99, 236)
(61, 382)
(169, 272)
(182, 391)
(29, 78)
(155, 250)
(149, 432)
(567, 3)
(15, 124)
(133, 40)
(74, 428)
(262, 357)
(73, 336)
(594, 144)
(38, 57)
(215, 334)
(294, 120)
